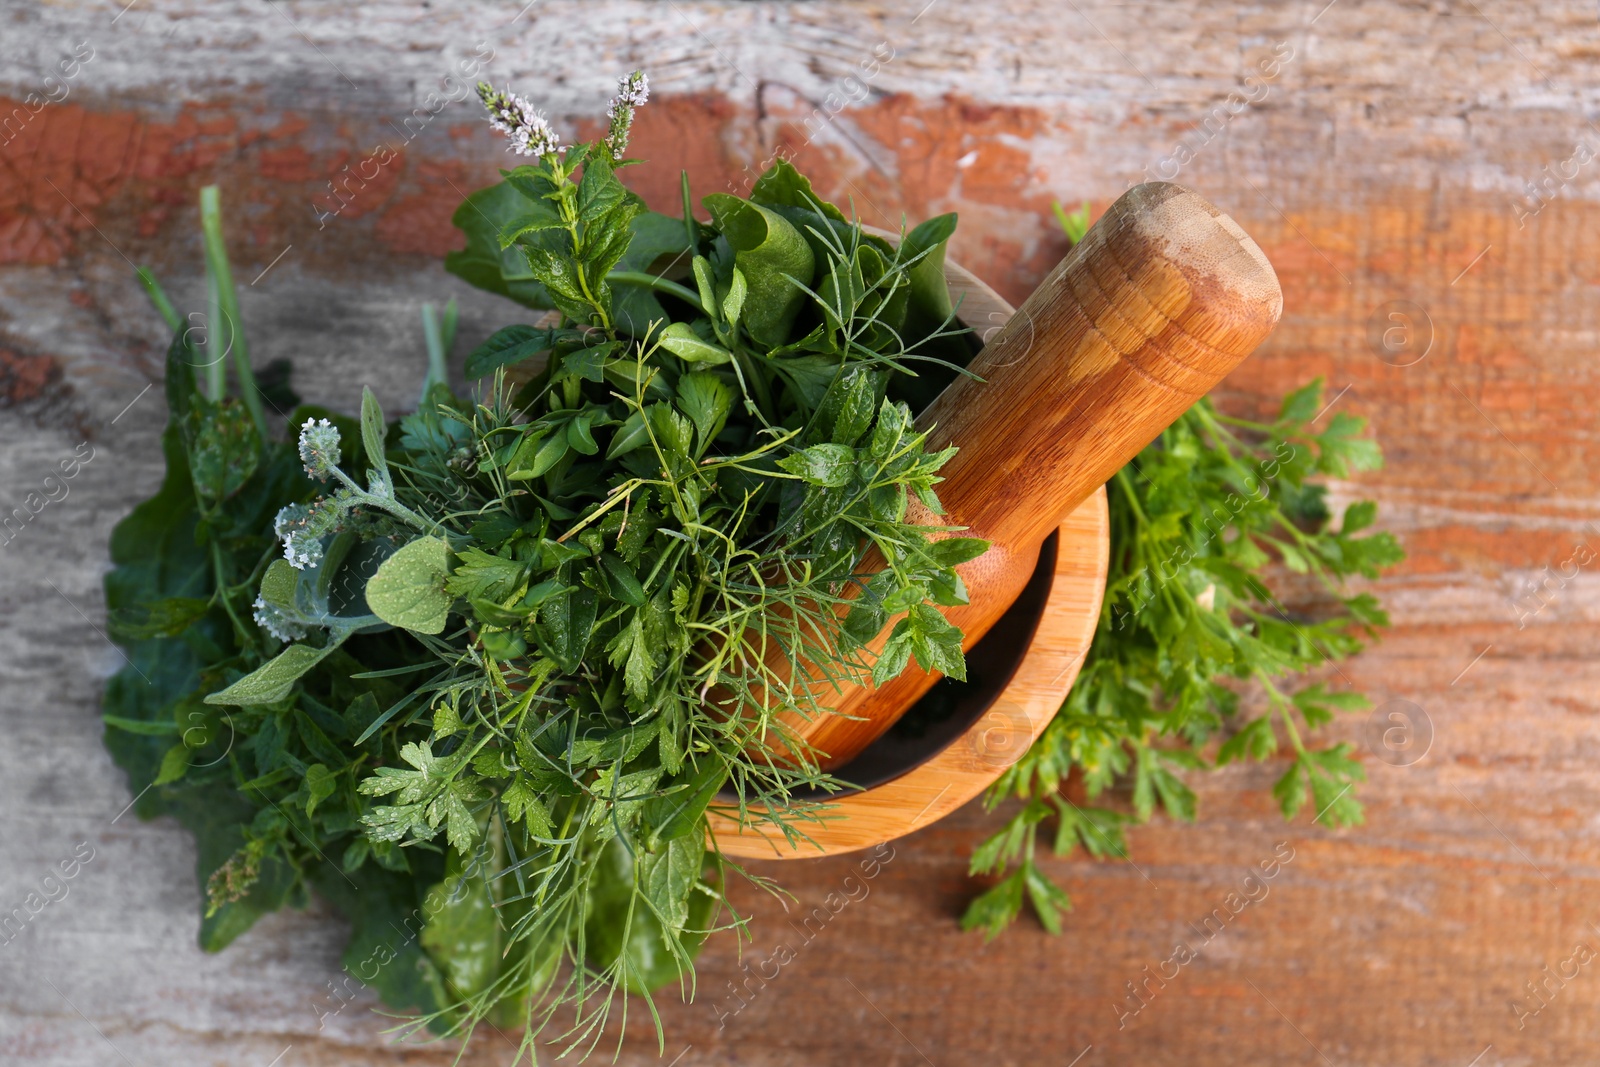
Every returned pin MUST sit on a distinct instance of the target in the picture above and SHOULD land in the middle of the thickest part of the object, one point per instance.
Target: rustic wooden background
(1389, 160)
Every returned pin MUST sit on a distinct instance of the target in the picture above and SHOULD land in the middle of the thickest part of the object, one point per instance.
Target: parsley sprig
(1191, 627)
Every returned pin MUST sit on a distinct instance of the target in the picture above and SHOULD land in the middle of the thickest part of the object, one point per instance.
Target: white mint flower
(632, 91)
(524, 125)
(319, 448)
(272, 619)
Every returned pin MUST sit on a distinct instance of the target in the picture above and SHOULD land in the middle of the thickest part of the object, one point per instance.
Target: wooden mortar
(1163, 297)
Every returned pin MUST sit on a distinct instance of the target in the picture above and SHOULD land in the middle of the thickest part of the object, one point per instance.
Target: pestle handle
(1163, 297)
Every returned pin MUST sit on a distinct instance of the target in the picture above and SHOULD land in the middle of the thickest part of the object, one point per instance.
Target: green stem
(228, 304)
(222, 594)
(1259, 427)
(1129, 494)
(435, 342)
(216, 348)
(742, 370)
(690, 228)
(389, 504)
(158, 297)
(660, 285)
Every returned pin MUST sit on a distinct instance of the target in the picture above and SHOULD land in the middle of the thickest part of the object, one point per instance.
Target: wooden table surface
(1387, 160)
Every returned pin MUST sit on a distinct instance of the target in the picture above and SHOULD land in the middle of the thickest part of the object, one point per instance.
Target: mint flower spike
(319, 448)
(632, 92)
(525, 126)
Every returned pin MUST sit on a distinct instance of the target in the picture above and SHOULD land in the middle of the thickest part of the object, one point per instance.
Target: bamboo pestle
(1163, 297)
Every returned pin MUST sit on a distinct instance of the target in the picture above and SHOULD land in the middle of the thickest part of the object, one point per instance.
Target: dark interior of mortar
(947, 710)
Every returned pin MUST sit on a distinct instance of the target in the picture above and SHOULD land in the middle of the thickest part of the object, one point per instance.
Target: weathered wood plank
(1387, 160)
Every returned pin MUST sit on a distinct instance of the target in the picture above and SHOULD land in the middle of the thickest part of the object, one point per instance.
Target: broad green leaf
(274, 680)
(320, 783)
(623, 581)
(621, 927)
(462, 934)
(483, 263)
(510, 346)
(279, 584)
(954, 551)
(668, 875)
(408, 589)
(174, 765)
(167, 617)
(566, 622)
(538, 454)
(225, 451)
(658, 242)
(684, 343)
(632, 434)
(782, 185)
(775, 260)
(678, 812)
(733, 303)
(828, 465)
(929, 296)
(852, 400)
(542, 216)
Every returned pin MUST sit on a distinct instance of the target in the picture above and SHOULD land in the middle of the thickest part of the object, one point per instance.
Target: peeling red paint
(28, 379)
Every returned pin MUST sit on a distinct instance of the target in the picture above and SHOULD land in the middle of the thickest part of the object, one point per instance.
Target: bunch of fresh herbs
(477, 674)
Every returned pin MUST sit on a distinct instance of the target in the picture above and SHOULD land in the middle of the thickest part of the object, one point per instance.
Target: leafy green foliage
(1197, 523)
